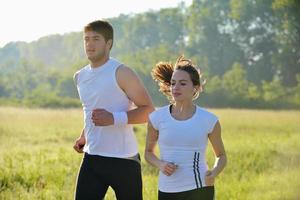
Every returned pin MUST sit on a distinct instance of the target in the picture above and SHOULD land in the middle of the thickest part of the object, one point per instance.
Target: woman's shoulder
(158, 116)
(204, 112)
(160, 110)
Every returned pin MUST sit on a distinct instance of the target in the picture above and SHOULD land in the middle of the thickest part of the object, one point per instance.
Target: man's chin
(94, 58)
(91, 58)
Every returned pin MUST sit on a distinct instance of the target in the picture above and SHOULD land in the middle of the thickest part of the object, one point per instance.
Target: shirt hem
(112, 155)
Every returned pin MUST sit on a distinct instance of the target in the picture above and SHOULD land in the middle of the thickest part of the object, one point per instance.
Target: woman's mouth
(176, 94)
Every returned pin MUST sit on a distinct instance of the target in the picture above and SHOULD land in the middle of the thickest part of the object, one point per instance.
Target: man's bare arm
(134, 88)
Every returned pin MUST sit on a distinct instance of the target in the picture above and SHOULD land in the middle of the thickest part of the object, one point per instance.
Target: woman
(182, 130)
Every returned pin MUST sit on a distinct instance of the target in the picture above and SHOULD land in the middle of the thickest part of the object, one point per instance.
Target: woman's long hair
(162, 74)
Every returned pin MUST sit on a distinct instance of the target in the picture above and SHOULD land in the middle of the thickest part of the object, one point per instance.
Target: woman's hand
(167, 168)
(209, 178)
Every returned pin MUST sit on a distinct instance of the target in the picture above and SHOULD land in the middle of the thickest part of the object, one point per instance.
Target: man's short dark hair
(102, 27)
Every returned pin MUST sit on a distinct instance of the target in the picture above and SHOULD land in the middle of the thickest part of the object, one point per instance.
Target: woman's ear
(196, 88)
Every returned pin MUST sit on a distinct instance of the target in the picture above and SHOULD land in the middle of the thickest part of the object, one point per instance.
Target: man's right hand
(79, 144)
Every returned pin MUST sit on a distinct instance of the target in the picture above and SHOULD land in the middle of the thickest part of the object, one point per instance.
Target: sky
(28, 20)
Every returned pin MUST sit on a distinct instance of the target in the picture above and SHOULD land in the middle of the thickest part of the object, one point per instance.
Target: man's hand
(102, 117)
(79, 144)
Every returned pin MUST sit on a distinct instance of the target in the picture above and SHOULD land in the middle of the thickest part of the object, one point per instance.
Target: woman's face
(182, 88)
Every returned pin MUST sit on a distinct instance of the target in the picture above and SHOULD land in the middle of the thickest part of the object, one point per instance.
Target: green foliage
(296, 91)
(273, 91)
(235, 82)
(248, 51)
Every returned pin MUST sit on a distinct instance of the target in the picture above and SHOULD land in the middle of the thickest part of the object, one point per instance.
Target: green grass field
(37, 160)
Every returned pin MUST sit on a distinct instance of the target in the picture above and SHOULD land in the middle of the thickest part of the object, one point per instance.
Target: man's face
(95, 45)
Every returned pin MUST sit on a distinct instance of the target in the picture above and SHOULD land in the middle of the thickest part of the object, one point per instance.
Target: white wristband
(120, 118)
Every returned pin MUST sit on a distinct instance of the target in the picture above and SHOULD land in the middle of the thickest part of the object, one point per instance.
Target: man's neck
(100, 62)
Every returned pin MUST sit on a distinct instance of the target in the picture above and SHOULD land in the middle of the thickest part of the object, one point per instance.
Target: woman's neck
(183, 110)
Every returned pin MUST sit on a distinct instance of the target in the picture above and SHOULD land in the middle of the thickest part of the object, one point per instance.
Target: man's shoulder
(126, 73)
(122, 68)
(75, 76)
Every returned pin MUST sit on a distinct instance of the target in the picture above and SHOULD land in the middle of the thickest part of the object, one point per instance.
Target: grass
(37, 160)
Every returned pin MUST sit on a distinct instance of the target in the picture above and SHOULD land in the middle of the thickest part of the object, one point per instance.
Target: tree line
(248, 51)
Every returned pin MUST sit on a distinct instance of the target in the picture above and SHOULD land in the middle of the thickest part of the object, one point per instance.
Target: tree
(209, 39)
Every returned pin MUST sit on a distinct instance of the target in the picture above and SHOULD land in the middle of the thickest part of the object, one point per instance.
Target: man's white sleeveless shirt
(98, 88)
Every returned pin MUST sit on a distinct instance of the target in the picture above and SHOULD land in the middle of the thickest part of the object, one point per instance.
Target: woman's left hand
(209, 178)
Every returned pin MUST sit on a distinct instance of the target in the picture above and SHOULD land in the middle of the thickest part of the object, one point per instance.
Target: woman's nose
(176, 86)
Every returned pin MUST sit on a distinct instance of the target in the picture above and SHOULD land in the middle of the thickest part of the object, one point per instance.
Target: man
(113, 98)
